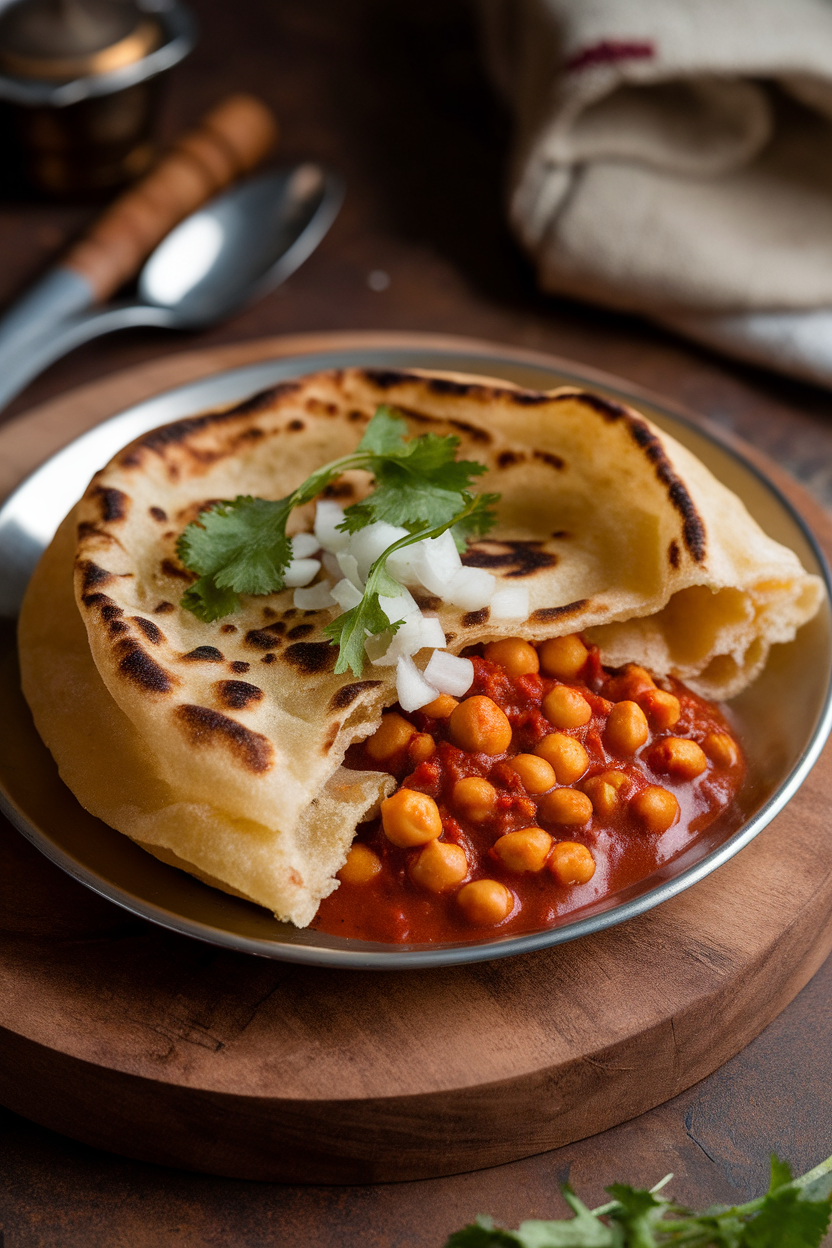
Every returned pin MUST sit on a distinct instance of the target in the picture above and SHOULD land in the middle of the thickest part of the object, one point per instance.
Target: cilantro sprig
(240, 546)
(350, 630)
(794, 1213)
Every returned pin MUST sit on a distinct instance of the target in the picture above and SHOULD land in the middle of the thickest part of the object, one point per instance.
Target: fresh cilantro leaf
(786, 1221)
(385, 433)
(240, 546)
(781, 1173)
(478, 522)
(204, 600)
(350, 630)
(483, 1234)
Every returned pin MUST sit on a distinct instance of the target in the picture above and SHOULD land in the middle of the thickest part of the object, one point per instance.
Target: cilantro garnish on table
(241, 547)
(794, 1213)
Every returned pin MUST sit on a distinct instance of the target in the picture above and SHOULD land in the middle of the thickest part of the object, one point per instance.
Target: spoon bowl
(234, 250)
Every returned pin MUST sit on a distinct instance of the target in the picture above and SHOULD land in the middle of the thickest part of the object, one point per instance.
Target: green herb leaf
(786, 1221)
(241, 545)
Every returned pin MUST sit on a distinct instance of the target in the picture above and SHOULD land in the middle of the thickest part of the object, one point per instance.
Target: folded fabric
(672, 158)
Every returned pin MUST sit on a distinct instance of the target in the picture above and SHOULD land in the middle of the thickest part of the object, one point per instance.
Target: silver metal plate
(783, 719)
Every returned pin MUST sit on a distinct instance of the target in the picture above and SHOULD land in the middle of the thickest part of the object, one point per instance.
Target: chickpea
(480, 726)
(516, 657)
(656, 807)
(439, 867)
(663, 708)
(566, 708)
(410, 818)
(474, 799)
(485, 902)
(525, 850)
(362, 865)
(626, 728)
(721, 749)
(537, 775)
(421, 746)
(603, 791)
(566, 755)
(679, 756)
(392, 735)
(571, 863)
(629, 684)
(563, 657)
(441, 707)
(567, 806)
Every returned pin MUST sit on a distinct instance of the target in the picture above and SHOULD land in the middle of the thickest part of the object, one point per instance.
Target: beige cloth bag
(674, 157)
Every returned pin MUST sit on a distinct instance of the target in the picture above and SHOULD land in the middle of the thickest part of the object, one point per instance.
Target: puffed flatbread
(617, 530)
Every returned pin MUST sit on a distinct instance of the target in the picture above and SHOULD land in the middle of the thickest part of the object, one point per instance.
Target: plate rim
(366, 955)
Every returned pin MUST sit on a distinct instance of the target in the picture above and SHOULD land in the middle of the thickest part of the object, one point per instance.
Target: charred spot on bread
(311, 657)
(331, 737)
(204, 654)
(521, 558)
(426, 602)
(547, 457)
(674, 554)
(163, 608)
(206, 727)
(471, 619)
(295, 426)
(228, 628)
(151, 631)
(300, 630)
(170, 568)
(92, 575)
(237, 694)
(268, 658)
(238, 665)
(346, 695)
(136, 665)
(543, 614)
(158, 514)
(265, 638)
(507, 459)
(113, 504)
(693, 528)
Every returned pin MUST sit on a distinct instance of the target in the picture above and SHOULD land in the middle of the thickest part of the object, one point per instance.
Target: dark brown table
(393, 97)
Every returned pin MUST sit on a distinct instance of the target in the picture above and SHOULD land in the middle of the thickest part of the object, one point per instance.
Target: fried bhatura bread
(616, 530)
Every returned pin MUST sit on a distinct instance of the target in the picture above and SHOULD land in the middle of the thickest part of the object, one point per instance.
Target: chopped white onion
(449, 673)
(327, 516)
(412, 688)
(304, 545)
(346, 595)
(331, 565)
(470, 589)
(511, 603)
(435, 562)
(315, 598)
(301, 572)
(370, 542)
(349, 566)
(402, 607)
(414, 635)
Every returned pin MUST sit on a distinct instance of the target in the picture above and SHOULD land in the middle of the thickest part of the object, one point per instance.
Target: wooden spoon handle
(229, 141)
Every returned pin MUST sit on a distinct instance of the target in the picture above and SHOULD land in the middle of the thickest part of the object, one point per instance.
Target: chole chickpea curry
(409, 657)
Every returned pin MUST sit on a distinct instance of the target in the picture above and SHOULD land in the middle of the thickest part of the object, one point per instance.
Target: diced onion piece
(402, 607)
(346, 595)
(435, 562)
(327, 516)
(470, 589)
(370, 542)
(304, 545)
(449, 673)
(414, 635)
(412, 688)
(349, 566)
(331, 565)
(377, 645)
(511, 603)
(315, 598)
(301, 572)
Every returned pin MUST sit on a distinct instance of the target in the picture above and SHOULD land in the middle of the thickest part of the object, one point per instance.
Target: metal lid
(61, 40)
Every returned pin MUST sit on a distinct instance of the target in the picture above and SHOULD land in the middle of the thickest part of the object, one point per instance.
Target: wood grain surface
(395, 99)
(132, 1039)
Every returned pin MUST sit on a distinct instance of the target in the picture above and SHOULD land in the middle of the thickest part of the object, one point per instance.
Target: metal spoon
(235, 250)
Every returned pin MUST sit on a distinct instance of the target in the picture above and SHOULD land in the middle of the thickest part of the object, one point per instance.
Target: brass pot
(79, 84)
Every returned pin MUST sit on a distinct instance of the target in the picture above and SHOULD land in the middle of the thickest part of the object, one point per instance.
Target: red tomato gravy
(391, 908)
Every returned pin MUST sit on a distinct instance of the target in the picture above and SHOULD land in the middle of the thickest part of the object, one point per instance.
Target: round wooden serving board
(146, 1043)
